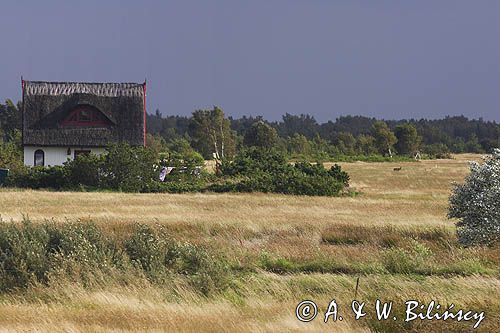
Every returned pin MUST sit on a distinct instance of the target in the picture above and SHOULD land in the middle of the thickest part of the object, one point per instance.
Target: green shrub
(146, 249)
(437, 150)
(407, 261)
(52, 177)
(158, 255)
(267, 170)
(189, 184)
(128, 168)
(36, 253)
(476, 203)
(23, 255)
(84, 170)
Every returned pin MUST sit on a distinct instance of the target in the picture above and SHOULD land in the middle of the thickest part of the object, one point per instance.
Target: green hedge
(136, 169)
(264, 170)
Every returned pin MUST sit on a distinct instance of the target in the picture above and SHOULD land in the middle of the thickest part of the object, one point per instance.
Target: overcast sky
(388, 59)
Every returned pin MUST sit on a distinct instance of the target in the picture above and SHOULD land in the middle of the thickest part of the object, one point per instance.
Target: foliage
(11, 156)
(122, 168)
(128, 168)
(477, 203)
(264, 170)
(211, 133)
(437, 150)
(189, 160)
(157, 254)
(156, 143)
(10, 119)
(384, 137)
(39, 177)
(408, 140)
(85, 170)
(31, 253)
(261, 135)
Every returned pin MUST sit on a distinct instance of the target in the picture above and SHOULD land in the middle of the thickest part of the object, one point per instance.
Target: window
(85, 116)
(39, 158)
(81, 152)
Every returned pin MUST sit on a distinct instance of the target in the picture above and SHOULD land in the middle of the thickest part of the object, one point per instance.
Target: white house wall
(55, 155)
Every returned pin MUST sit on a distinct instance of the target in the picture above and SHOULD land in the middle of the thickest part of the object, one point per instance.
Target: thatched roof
(46, 104)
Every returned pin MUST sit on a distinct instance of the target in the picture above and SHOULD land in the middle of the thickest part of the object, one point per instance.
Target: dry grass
(394, 210)
(415, 195)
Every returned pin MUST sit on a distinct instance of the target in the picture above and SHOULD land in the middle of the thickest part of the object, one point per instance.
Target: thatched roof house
(63, 119)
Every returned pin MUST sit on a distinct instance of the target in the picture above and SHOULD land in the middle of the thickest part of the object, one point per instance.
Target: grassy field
(394, 236)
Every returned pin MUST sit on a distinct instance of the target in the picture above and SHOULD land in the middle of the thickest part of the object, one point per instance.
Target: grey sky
(388, 59)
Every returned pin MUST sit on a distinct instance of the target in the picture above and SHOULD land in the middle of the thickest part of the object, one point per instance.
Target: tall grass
(31, 254)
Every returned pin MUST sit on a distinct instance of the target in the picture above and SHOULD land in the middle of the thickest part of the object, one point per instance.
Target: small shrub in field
(54, 177)
(407, 261)
(36, 253)
(397, 260)
(206, 272)
(84, 170)
(128, 168)
(23, 258)
(266, 170)
(147, 249)
(476, 203)
(158, 255)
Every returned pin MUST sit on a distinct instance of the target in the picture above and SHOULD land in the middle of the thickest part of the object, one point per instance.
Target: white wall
(55, 155)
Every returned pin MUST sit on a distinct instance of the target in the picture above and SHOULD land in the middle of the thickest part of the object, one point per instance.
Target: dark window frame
(39, 152)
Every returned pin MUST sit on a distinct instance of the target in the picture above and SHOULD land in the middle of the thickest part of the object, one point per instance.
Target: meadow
(394, 236)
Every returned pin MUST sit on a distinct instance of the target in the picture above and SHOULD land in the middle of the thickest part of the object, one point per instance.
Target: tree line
(347, 136)
(213, 135)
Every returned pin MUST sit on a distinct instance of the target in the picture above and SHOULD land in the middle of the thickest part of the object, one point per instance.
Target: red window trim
(97, 118)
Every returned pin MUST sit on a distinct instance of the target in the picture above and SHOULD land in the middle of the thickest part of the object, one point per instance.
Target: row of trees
(350, 135)
(212, 134)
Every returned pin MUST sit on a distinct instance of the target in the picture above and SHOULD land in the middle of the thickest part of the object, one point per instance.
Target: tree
(346, 142)
(128, 168)
(11, 152)
(384, 138)
(304, 124)
(408, 140)
(477, 203)
(156, 143)
(10, 117)
(211, 133)
(298, 144)
(366, 144)
(261, 135)
(472, 145)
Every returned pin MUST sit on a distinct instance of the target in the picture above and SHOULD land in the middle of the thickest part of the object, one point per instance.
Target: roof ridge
(80, 82)
(109, 89)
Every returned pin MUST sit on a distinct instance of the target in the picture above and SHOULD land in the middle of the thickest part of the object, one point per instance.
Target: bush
(35, 253)
(476, 203)
(84, 170)
(146, 249)
(23, 255)
(128, 168)
(29, 252)
(53, 177)
(125, 168)
(157, 255)
(406, 261)
(437, 150)
(267, 170)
